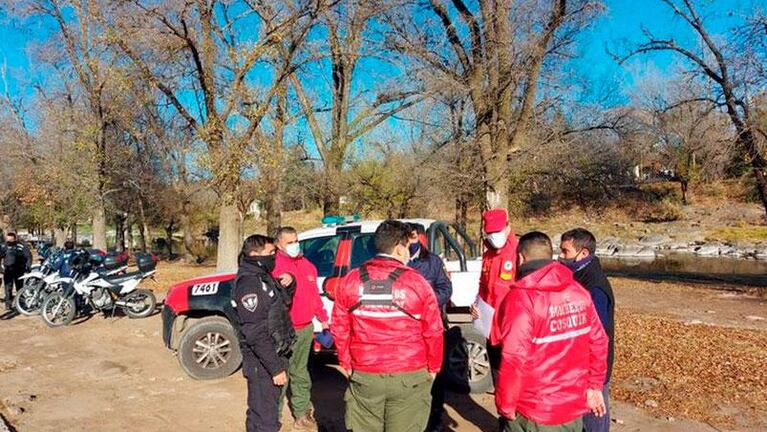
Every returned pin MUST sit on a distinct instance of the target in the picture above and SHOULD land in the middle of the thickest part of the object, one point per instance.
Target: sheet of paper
(485, 321)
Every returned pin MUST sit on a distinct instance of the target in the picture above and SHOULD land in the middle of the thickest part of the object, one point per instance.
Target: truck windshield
(363, 248)
(321, 251)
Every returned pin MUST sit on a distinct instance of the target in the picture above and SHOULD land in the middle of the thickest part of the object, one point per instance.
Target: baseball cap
(494, 220)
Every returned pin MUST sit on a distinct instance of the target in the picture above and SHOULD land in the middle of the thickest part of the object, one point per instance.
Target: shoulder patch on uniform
(250, 302)
(508, 265)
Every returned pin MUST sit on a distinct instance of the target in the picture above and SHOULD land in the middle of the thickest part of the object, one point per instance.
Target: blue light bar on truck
(340, 220)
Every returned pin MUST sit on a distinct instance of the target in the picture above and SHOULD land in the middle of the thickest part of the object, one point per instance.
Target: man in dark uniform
(266, 332)
(577, 251)
(17, 260)
(433, 270)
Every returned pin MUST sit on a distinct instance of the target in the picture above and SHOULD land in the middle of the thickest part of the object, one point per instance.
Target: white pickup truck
(334, 248)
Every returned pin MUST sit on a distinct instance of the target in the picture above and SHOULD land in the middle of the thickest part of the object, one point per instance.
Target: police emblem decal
(508, 265)
(250, 302)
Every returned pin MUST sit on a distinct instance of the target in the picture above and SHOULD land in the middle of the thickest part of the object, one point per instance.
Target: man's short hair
(69, 244)
(11, 234)
(418, 228)
(390, 234)
(284, 230)
(255, 243)
(535, 245)
(582, 239)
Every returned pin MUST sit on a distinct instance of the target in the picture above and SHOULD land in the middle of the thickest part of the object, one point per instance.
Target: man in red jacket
(388, 331)
(307, 305)
(554, 349)
(498, 272)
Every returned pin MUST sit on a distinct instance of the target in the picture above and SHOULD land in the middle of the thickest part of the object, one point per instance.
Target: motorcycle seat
(118, 280)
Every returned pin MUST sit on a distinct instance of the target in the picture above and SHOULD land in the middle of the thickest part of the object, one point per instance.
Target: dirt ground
(115, 374)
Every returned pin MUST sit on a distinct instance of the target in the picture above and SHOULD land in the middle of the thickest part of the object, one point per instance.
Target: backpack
(379, 292)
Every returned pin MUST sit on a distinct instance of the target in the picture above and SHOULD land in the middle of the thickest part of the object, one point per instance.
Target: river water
(690, 268)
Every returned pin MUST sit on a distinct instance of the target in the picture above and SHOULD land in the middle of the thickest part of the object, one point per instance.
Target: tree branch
(452, 34)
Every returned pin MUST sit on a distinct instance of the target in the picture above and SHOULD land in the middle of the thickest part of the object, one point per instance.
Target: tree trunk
(169, 237)
(747, 141)
(73, 231)
(142, 226)
(229, 237)
(273, 207)
(497, 182)
(186, 226)
(119, 233)
(330, 203)
(99, 225)
(129, 235)
(7, 224)
(331, 199)
(59, 236)
(273, 202)
(142, 240)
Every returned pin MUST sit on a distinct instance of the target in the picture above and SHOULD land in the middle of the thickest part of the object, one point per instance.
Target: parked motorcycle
(52, 273)
(88, 288)
(28, 299)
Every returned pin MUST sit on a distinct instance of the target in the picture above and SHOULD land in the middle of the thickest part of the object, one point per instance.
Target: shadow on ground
(329, 385)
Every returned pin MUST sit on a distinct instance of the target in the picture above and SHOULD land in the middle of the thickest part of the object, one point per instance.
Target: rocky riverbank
(652, 245)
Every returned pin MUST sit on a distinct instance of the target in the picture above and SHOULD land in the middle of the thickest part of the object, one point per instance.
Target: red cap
(494, 220)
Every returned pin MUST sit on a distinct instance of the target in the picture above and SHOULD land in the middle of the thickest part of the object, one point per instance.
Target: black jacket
(16, 258)
(433, 270)
(262, 314)
(593, 278)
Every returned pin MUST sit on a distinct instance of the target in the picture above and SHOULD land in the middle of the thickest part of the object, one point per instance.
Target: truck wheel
(467, 363)
(209, 349)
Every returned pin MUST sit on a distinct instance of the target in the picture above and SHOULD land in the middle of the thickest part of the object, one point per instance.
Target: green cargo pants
(521, 424)
(299, 388)
(398, 402)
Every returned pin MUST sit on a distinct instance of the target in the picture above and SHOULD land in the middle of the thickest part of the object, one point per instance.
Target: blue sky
(618, 26)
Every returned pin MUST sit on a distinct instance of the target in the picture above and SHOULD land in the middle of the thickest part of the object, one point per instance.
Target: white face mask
(497, 240)
(293, 250)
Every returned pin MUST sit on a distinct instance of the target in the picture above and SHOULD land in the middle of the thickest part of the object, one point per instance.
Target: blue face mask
(414, 249)
(578, 265)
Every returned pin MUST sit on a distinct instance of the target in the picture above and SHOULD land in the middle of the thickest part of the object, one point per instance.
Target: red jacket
(554, 348)
(383, 339)
(499, 270)
(306, 301)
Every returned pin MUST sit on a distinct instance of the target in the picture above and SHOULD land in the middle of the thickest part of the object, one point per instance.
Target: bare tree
(717, 63)
(351, 117)
(494, 53)
(195, 46)
(78, 37)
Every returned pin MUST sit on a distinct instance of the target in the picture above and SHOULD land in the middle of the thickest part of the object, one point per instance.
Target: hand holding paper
(484, 322)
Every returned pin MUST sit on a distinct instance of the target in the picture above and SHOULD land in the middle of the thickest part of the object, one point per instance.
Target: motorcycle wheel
(58, 310)
(140, 303)
(28, 300)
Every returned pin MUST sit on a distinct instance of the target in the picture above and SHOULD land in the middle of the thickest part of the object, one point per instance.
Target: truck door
(464, 273)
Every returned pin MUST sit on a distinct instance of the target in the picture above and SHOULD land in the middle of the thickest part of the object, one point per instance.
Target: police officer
(266, 333)
(17, 260)
(388, 331)
(432, 268)
(498, 273)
